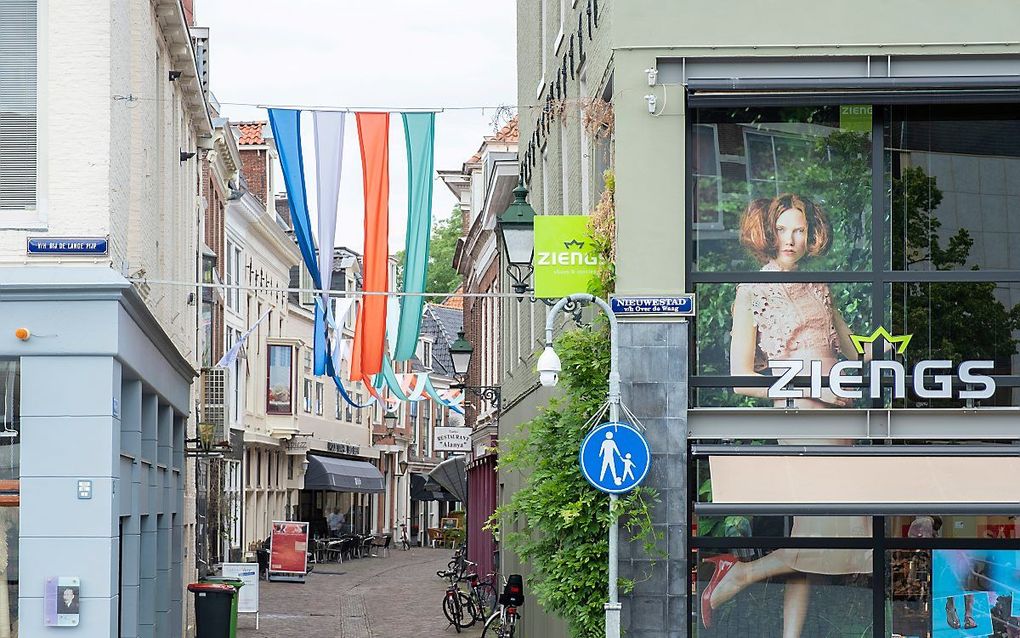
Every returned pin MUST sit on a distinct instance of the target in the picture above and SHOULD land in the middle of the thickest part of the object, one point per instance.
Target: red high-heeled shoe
(723, 563)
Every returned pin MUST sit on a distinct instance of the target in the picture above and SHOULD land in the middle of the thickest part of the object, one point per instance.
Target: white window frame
(307, 392)
(320, 391)
(36, 218)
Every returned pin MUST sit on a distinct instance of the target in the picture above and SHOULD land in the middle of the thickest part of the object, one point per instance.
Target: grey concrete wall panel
(103, 359)
(95, 517)
(98, 619)
(131, 417)
(86, 386)
(148, 360)
(653, 369)
(93, 440)
(60, 556)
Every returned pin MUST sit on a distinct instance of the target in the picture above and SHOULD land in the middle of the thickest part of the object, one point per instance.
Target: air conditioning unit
(213, 399)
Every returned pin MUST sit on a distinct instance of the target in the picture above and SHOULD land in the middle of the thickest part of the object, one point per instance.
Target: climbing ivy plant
(557, 522)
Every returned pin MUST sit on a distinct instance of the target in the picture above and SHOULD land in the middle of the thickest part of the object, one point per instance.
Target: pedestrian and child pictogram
(614, 457)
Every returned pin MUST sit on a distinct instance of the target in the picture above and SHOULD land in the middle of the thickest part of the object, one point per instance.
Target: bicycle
(482, 591)
(503, 623)
(458, 606)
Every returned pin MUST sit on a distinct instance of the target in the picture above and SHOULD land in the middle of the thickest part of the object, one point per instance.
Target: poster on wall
(449, 439)
(974, 593)
(288, 548)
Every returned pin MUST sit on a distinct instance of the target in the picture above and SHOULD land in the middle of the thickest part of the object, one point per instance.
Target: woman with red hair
(790, 321)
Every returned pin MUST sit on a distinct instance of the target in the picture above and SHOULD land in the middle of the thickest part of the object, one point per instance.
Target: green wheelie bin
(215, 610)
(236, 583)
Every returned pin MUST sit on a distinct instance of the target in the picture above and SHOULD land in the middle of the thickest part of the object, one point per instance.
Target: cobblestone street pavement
(383, 597)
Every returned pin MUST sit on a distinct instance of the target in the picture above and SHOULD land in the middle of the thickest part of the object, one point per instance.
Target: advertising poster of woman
(792, 321)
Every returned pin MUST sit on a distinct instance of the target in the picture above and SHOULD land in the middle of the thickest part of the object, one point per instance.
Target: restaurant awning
(452, 475)
(342, 475)
(424, 489)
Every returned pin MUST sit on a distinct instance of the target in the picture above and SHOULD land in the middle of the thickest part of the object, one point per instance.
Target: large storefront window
(10, 493)
(790, 263)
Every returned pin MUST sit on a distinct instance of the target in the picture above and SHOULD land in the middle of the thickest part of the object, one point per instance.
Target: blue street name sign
(67, 245)
(615, 457)
(672, 306)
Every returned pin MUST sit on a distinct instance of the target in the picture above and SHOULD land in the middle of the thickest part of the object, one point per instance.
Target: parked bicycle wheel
(496, 627)
(459, 610)
(486, 599)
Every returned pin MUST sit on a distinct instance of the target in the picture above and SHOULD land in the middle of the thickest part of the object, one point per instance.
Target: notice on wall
(288, 547)
(248, 596)
(62, 601)
(449, 439)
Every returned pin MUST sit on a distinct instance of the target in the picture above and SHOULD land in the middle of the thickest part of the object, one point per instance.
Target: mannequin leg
(743, 574)
(796, 597)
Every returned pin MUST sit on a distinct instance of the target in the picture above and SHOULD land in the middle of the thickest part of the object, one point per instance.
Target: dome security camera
(549, 367)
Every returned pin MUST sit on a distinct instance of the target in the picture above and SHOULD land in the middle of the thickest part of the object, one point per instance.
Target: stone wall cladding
(653, 366)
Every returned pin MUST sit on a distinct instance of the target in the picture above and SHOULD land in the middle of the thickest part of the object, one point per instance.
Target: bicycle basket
(513, 591)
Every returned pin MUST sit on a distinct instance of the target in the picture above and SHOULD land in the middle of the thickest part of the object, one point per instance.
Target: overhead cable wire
(318, 291)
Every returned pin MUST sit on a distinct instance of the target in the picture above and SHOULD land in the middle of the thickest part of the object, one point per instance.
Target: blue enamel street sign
(615, 457)
(665, 306)
(67, 245)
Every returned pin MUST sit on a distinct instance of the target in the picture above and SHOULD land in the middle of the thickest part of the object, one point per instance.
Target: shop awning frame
(850, 423)
(452, 475)
(332, 474)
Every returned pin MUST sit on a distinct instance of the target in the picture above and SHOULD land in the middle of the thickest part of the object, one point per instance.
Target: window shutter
(17, 104)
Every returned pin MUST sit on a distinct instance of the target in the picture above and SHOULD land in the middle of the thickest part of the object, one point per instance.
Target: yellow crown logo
(902, 340)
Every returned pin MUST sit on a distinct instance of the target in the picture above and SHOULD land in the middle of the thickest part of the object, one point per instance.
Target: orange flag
(370, 329)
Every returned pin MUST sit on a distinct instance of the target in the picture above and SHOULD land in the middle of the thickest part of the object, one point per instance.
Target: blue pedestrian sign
(615, 458)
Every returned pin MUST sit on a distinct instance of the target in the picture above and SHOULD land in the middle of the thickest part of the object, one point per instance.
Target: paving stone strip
(354, 616)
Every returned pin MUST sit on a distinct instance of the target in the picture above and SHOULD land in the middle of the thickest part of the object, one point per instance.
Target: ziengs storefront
(854, 246)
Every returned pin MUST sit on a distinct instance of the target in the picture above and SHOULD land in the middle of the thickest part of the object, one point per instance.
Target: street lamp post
(460, 353)
(549, 368)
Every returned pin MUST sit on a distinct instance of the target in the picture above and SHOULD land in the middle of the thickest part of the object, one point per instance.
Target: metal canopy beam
(780, 423)
(853, 509)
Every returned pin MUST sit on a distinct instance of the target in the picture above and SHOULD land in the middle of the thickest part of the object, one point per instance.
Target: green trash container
(236, 583)
(215, 605)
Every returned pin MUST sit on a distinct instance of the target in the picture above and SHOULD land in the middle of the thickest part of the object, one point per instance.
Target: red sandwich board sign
(288, 551)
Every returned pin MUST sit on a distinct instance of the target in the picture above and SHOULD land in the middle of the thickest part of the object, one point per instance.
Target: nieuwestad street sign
(565, 260)
(655, 306)
(932, 378)
(68, 245)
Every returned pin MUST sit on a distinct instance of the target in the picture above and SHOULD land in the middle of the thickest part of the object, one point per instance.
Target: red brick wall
(253, 167)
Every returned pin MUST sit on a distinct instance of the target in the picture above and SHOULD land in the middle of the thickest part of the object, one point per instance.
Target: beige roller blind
(17, 105)
(863, 479)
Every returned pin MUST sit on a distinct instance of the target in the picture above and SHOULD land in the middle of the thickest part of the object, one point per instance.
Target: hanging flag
(286, 125)
(329, 153)
(370, 331)
(230, 356)
(419, 135)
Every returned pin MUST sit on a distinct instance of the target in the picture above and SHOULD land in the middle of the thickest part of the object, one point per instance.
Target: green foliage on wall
(557, 523)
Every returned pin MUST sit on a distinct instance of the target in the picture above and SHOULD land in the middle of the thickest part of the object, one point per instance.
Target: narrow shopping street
(394, 595)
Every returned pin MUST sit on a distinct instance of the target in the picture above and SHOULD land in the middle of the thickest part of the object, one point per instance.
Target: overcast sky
(368, 53)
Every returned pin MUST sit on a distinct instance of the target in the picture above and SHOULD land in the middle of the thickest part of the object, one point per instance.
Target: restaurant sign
(448, 439)
(932, 378)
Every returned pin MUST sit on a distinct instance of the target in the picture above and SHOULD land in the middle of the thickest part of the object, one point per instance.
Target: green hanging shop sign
(565, 260)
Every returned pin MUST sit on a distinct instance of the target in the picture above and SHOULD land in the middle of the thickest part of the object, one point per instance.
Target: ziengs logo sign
(931, 378)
